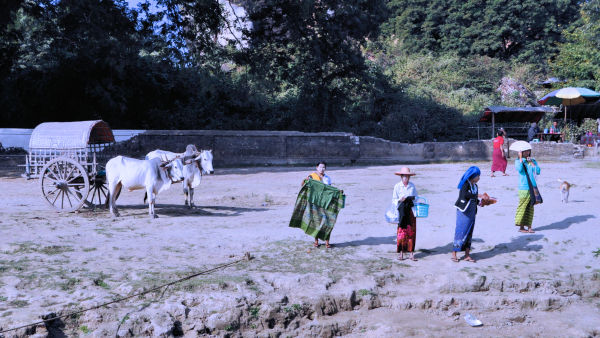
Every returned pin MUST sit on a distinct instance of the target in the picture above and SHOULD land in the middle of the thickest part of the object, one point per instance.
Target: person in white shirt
(403, 198)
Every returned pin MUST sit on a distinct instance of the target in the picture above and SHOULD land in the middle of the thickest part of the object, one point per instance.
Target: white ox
(192, 170)
(154, 175)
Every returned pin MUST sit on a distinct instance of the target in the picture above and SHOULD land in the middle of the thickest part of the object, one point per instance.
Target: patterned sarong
(524, 214)
(465, 224)
(406, 238)
(316, 209)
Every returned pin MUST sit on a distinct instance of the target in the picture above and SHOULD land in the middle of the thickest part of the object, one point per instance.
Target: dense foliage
(525, 29)
(405, 70)
(578, 59)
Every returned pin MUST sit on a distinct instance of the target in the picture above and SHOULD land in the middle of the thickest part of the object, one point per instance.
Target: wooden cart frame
(64, 156)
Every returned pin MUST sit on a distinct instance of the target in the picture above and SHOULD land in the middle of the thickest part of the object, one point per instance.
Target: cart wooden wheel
(64, 183)
(97, 198)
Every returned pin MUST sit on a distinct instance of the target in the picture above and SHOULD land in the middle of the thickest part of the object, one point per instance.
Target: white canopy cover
(70, 135)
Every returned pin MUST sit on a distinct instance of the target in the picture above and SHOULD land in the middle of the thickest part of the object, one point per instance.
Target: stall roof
(504, 114)
(70, 135)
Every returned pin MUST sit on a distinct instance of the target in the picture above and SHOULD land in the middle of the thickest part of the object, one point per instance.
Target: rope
(247, 257)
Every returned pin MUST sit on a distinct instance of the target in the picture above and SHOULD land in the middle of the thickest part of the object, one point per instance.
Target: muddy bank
(59, 263)
(251, 309)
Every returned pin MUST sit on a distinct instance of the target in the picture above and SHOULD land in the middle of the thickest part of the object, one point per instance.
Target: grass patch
(23, 247)
(364, 292)
(88, 249)
(424, 191)
(173, 249)
(55, 249)
(152, 279)
(101, 283)
(18, 265)
(254, 311)
(592, 165)
(293, 308)
(299, 257)
(102, 231)
(69, 284)
(84, 329)
(19, 303)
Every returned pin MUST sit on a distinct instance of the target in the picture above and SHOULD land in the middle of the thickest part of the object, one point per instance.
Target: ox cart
(63, 156)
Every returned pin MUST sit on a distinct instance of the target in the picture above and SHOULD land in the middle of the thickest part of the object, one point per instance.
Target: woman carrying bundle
(402, 198)
(466, 210)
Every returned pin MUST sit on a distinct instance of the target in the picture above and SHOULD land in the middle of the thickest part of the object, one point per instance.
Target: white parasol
(520, 146)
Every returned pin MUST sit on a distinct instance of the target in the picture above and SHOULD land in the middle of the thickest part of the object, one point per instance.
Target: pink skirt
(406, 238)
(498, 161)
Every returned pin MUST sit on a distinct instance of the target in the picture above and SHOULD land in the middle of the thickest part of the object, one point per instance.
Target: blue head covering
(469, 174)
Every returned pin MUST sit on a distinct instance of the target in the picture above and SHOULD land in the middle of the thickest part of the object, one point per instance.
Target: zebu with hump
(195, 162)
(153, 175)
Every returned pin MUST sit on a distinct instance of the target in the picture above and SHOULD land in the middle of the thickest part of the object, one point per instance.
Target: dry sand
(541, 284)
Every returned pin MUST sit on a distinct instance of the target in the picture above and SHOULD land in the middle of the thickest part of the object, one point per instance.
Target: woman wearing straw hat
(528, 168)
(403, 197)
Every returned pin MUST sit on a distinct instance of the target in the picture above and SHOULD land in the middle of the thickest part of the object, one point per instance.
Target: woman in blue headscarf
(466, 209)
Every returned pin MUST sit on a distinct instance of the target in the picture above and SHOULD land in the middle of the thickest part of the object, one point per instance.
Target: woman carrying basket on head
(403, 198)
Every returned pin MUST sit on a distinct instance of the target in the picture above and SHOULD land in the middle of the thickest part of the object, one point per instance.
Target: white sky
(231, 17)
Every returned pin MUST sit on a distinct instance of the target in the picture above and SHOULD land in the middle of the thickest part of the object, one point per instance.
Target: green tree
(578, 59)
(522, 29)
(191, 28)
(309, 53)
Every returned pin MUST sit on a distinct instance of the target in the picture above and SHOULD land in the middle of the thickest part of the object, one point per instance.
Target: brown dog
(564, 190)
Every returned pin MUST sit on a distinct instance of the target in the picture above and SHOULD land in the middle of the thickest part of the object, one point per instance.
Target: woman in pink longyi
(498, 157)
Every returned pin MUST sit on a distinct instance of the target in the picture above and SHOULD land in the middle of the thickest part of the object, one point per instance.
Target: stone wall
(282, 148)
(258, 148)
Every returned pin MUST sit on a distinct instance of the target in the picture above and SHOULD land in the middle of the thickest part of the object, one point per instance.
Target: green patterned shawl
(316, 209)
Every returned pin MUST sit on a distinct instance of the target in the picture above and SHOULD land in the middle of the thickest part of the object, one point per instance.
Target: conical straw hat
(405, 171)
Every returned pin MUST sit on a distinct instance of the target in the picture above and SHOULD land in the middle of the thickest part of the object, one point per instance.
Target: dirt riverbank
(541, 284)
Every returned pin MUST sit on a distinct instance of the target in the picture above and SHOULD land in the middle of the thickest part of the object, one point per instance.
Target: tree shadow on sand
(565, 223)
(368, 241)
(178, 210)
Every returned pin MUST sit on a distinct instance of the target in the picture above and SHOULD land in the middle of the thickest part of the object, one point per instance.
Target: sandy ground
(541, 284)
